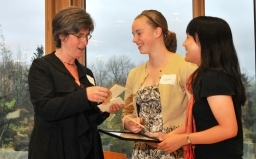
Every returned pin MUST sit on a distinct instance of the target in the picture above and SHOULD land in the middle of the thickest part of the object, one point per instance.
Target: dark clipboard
(123, 135)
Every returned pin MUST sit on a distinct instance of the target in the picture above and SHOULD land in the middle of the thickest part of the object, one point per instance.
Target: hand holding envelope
(113, 98)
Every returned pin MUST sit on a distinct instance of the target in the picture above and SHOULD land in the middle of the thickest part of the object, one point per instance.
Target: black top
(65, 123)
(217, 83)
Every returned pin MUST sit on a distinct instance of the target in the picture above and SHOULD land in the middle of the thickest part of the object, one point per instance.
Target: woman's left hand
(115, 107)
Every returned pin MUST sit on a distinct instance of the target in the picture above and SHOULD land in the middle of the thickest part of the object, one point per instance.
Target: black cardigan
(65, 122)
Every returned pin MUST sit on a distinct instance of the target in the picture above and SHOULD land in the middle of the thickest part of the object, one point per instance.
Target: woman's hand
(170, 142)
(155, 135)
(132, 125)
(97, 93)
(115, 107)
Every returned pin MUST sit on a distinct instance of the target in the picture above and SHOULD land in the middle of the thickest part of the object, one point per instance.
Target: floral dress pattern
(150, 110)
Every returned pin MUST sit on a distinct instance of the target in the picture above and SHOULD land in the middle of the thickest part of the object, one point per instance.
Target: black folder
(124, 135)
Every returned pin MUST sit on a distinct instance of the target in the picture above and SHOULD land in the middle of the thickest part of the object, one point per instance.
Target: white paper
(105, 107)
(116, 90)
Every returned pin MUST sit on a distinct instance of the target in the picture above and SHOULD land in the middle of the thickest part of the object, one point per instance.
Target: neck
(70, 64)
(160, 60)
(64, 60)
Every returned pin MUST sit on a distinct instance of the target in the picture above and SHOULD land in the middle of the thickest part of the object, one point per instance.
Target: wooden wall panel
(198, 8)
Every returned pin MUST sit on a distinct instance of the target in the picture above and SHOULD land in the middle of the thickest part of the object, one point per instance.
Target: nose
(184, 42)
(134, 39)
(85, 41)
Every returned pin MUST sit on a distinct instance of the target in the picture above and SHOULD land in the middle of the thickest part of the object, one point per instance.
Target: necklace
(70, 64)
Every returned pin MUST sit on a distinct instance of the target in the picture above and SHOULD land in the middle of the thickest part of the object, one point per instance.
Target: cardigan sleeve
(128, 98)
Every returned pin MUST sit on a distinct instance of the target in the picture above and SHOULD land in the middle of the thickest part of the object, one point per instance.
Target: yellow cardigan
(174, 97)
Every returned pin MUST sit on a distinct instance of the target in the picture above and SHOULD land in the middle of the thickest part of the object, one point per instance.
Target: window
(21, 34)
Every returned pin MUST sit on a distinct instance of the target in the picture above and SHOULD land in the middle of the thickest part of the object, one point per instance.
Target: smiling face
(193, 50)
(73, 45)
(143, 35)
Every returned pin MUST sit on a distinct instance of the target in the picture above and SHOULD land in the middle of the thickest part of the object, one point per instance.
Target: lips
(139, 46)
(81, 49)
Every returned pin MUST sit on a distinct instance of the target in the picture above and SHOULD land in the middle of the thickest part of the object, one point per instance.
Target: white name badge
(91, 80)
(168, 79)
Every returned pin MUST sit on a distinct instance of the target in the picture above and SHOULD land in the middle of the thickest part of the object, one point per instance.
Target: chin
(187, 59)
(142, 52)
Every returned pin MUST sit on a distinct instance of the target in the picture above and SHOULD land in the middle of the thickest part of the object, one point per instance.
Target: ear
(158, 32)
(62, 37)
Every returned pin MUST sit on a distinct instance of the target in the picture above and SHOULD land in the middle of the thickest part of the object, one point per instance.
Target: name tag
(91, 80)
(168, 79)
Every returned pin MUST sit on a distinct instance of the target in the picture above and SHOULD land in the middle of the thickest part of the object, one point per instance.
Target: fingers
(171, 143)
(166, 147)
(101, 94)
(153, 135)
(160, 136)
(132, 125)
(115, 107)
(97, 94)
(135, 129)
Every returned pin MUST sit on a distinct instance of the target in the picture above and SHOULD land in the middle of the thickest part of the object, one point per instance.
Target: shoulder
(138, 69)
(39, 62)
(43, 59)
(216, 76)
(217, 82)
(179, 57)
(183, 68)
(179, 61)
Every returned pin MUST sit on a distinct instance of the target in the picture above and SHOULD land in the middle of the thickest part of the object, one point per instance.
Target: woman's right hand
(97, 93)
(131, 125)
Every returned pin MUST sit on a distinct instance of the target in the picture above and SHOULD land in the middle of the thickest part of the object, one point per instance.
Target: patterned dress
(150, 110)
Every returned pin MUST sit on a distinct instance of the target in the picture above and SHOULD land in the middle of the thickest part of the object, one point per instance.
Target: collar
(55, 61)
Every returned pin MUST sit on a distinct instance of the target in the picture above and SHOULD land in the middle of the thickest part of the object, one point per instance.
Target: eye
(80, 36)
(139, 33)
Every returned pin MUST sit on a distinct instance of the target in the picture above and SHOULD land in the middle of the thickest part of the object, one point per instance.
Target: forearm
(179, 130)
(212, 135)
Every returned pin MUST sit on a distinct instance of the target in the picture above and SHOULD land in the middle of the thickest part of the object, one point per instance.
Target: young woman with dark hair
(213, 126)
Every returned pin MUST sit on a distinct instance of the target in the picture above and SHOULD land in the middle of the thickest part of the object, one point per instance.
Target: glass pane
(240, 16)
(111, 43)
(21, 33)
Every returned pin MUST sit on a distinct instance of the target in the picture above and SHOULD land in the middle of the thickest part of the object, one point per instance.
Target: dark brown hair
(70, 20)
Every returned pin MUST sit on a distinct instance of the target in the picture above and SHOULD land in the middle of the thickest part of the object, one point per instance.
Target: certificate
(123, 135)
